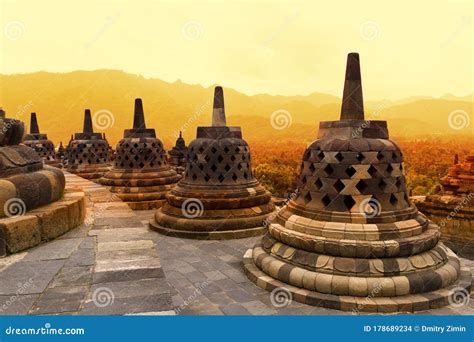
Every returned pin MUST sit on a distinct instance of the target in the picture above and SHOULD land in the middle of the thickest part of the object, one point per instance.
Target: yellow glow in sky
(280, 47)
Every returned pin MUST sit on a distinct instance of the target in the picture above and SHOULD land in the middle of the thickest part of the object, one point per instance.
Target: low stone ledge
(41, 224)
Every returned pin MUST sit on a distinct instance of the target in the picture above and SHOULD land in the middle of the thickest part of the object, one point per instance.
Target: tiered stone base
(42, 224)
(292, 278)
(195, 213)
(90, 172)
(141, 190)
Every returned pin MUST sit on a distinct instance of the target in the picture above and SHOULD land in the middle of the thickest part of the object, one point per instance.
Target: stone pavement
(109, 265)
(114, 265)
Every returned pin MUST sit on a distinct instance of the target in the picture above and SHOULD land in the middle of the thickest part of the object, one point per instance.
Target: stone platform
(107, 266)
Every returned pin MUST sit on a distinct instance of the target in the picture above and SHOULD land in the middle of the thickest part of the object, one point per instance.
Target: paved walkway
(113, 265)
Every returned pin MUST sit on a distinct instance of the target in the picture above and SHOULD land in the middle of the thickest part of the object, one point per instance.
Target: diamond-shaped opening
(339, 185)
(213, 168)
(201, 149)
(362, 186)
(318, 184)
(328, 169)
(232, 158)
(213, 150)
(393, 199)
(307, 198)
(303, 180)
(339, 156)
(398, 183)
(307, 155)
(326, 200)
(394, 155)
(207, 158)
(220, 159)
(349, 202)
(372, 171)
(226, 149)
(194, 177)
(227, 167)
(201, 167)
(380, 156)
(206, 177)
(401, 167)
(246, 176)
(320, 155)
(234, 177)
(382, 185)
(136, 158)
(141, 165)
(350, 171)
(239, 166)
(389, 168)
(360, 157)
(311, 167)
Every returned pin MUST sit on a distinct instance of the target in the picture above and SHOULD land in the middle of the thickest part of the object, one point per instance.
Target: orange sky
(407, 48)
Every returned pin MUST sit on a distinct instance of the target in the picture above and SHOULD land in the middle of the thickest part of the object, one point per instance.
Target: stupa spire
(88, 122)
(138, 115)
(218, 111)
(352, 100)
(34, 128)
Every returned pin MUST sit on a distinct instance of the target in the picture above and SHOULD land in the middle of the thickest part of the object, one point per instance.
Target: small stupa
(351, 239)
(88, 153)
(218, 197)
(177, 155)
(40, 143)
(140, 176)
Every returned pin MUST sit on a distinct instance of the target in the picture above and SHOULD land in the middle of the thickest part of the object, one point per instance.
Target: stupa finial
(218, 112)
(34, 128)
(138, 115)
(88, 122)
(352, 100)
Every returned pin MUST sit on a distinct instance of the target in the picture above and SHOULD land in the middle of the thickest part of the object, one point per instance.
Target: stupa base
(146, 205)
(407, 303)
(42, 224)
(93, 176)
(209, 235)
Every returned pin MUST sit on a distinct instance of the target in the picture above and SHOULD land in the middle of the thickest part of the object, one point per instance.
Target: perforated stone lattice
(339, 180)
(140, 153)
(45, 149)
(86, 152)
(223, 161)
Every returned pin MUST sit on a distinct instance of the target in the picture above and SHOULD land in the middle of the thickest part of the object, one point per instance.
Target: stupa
(351, 239)
(40, 143)
(61, 152)
(140, 176)
(177, 155)
(453, 207)
(87, 153)
(218, 197)
(28, 189)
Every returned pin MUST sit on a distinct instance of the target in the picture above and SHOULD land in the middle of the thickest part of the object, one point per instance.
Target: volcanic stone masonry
(40, 143)
(351, 239)
(87, 153)
(218, 198)
(177, 155)
(26, 184)
(453, 208)
(140, 176)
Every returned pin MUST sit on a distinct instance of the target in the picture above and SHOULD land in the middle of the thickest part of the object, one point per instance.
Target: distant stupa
(40, 143)
(177, 155)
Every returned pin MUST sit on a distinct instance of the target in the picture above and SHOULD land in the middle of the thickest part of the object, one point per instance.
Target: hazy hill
(59, 99)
